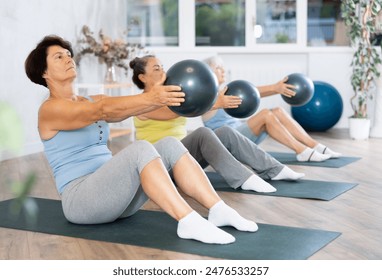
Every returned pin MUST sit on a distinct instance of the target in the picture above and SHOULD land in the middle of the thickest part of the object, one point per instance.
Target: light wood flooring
(357, 214)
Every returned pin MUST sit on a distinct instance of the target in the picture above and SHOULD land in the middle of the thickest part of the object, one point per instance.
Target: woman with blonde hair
(275, 122)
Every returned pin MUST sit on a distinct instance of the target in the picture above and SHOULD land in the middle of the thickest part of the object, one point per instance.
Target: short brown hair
(35, 64)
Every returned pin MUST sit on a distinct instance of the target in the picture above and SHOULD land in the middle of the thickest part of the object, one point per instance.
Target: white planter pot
(359, 129)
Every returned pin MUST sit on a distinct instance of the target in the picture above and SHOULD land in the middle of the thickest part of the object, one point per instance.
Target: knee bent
(278, 111)
(203, 133)
(141, 145)
(224, 130)
(270, 116)
(140, 149)
(169, 142)
(168, 139)
(169, 147)
(224, 133)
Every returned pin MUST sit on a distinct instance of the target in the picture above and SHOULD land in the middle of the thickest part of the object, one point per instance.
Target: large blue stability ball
(304, 89)
(199, 84)
(250, 98)
(323, 111)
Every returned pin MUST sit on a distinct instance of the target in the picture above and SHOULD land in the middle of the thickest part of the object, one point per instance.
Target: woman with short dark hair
(96, 187)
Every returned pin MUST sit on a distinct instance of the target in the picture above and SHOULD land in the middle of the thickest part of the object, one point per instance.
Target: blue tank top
(220, 119)
(75, 153)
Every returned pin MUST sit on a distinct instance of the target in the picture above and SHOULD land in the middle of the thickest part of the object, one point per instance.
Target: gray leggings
(226, 150)
(113, 191)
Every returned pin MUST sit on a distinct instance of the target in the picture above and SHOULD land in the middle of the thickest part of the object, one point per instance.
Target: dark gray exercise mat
(309, 189)
(290, 158)
(155, 229)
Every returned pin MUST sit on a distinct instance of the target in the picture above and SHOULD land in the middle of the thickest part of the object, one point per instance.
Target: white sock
(311, 155)
(222, 215)
(194, 226)
(288, 174)
(255, 183)
(326, 151)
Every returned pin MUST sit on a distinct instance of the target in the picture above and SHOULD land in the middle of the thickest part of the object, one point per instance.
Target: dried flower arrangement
(111, 52)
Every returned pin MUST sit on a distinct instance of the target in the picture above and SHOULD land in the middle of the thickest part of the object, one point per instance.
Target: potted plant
(11, 142)
(360, 18)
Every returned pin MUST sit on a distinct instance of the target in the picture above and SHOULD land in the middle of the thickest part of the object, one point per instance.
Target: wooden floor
(357, 214)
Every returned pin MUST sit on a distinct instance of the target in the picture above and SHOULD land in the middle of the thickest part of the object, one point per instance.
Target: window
(277, 20)
(220, 23)
(325, 26)
(153, 22)
(236, 23)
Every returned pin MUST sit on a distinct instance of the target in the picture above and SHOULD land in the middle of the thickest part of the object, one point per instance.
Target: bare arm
(161, 114)
(223, 101)
(114, 111)
(281, 87)
(226, 101)
(62, 114)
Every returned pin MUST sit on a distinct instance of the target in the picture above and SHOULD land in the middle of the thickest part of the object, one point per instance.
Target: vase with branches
(108, 51)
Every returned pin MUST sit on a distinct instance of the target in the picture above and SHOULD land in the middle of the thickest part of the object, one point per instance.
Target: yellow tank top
(154, 130)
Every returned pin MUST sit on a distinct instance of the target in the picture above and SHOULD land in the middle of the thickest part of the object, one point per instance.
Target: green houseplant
(11, 142)
(360, 17)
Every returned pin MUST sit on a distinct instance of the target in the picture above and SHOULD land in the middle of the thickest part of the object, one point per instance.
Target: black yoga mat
(158, 230)
(290, 158)
(309, 189)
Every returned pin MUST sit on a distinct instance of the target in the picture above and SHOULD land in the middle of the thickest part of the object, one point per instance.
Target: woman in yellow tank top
(224, 149)
(154, 130)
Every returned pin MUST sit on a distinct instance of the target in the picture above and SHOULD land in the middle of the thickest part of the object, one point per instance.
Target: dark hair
(138, 65)
(35, 64)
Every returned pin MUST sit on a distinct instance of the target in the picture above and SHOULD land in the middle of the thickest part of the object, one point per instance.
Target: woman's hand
(162, 95)
(226, 101)
(285, 89)
(165, 95)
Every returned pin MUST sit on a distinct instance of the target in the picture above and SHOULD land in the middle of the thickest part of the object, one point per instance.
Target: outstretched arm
(62, 114)
(223, 101)
(281, 87)
(161, 114)
(226, 101)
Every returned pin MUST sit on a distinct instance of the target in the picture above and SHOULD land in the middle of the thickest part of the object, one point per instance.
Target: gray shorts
(114, 190)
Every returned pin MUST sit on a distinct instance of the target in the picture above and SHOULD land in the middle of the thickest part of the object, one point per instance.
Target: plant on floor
(360, 16)
(11, 142)
(11, 133)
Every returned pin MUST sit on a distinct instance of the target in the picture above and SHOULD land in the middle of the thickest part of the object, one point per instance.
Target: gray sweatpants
(226, 150)
(114, 191)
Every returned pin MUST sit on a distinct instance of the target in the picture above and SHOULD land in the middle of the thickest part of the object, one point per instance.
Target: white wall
(332, 67)
(24, 22)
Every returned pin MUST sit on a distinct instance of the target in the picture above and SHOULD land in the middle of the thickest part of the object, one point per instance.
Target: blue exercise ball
(250, 98)
(199, 84)
(323, 111)
(304, 89)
